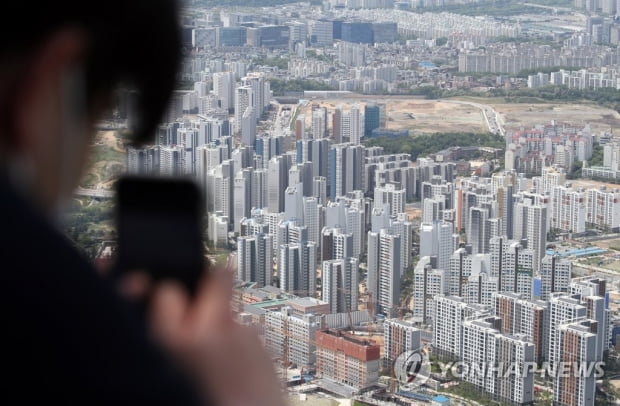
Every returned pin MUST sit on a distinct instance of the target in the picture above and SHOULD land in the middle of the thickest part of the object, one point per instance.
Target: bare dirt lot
(418, 116)
(107, 161)
(430, 116)
(592, 184)
(517, 115)
(599, 118)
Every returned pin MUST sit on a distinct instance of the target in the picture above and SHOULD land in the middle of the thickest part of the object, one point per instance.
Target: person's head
(61, 63)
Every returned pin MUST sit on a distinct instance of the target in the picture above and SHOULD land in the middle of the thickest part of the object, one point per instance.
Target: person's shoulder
(63, 323)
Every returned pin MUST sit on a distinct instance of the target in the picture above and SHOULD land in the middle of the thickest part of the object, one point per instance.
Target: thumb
(169, 305)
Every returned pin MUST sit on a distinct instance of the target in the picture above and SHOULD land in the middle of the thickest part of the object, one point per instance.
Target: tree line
(425, 144)
(281, 87)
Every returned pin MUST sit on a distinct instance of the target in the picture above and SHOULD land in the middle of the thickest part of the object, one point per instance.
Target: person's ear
(41, 115)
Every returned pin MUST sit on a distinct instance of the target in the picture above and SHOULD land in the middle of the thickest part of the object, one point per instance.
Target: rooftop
(441, 399)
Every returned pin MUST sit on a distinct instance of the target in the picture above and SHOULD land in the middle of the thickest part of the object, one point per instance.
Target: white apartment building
(223, 87)
(531, 224)
(568, 209)
(526, 317)
(562, 309)
(555, 275)
(255, 259)
(603, 207)
(244, 98)
(577, 345)
(483, 344)
(428, 282)
(357, 124)
(384, 270)
(296, 332)
(438, 239)
(450, 313)
(513, 265)
(480, 286)
(399, 336)
(340, 284)
(297, 268)
(391, 195)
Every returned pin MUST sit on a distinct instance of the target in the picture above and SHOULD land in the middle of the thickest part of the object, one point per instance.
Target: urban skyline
(349, 251)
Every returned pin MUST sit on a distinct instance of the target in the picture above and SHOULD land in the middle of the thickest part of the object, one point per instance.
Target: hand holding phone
(159, 224)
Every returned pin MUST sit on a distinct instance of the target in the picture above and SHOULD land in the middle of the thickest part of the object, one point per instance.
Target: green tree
(422, 145)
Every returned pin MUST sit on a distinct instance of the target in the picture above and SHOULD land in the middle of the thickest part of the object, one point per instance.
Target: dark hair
(133, 43)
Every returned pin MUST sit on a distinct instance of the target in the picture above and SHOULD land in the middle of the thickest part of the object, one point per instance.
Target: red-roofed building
(347, 359)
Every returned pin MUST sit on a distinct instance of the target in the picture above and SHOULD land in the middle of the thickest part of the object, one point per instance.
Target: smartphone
(159, 226)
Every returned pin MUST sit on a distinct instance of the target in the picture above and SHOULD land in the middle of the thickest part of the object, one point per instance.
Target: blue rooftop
(413, 395)
(426, 64)
(578, 252)
(441, 399)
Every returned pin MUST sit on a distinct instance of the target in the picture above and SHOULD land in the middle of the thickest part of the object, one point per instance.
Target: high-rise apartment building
(438, 239)
(357, 125)
(399, 337)
(255, 259)
(277, 182)
(224, 89)
(603, 207)
(297, 268)
(248, 127)
(384, 270)
(513, 264)
(335, 244)
(450, 314)
(340, 284)
(319, 123)
(290, 335)
(372, 118)
(428, 282)
(345, 169)
(484, 345)
(531, 224)
(562, 309)
(555, 274)
(526, 317)
(244, 98)
(392, 196)
(577, 347)
(568, 209)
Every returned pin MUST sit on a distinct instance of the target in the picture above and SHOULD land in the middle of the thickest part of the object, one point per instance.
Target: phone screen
(160, 229)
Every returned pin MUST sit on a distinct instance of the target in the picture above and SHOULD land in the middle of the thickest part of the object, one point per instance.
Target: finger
(212, 304)
(135, 285)
(265, 384)
(169, 305)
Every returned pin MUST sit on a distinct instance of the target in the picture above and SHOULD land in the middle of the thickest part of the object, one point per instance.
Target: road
(553, 8)
(94, 193)
(493, 120)
(596, 269)
(282, 123)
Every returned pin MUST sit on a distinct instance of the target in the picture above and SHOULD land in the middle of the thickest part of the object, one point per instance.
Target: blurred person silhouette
(69, 336)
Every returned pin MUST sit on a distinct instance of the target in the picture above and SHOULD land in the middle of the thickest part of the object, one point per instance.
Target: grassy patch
(88, 223)
(469, 391)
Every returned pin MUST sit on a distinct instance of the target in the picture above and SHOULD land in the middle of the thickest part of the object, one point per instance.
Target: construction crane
(348, 311)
